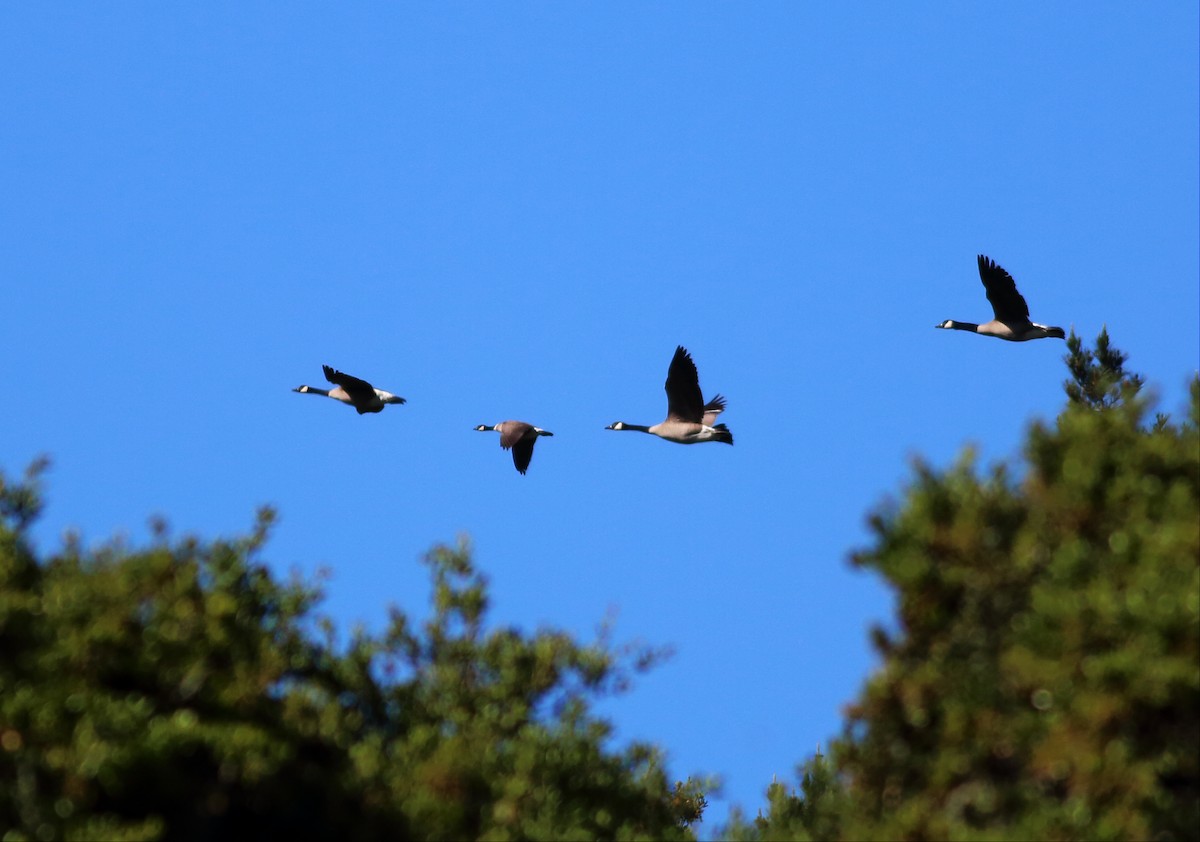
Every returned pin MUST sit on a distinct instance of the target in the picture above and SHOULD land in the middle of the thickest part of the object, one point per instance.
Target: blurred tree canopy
(1042, 678)
(181, 692)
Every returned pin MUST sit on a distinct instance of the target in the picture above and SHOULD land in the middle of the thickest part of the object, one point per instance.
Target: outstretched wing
(515, 435)
(360, 391)
(712, 409)
(1007, 303)
(684, 401)
(523, 452)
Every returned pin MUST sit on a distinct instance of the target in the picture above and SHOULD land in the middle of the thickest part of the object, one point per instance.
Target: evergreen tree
(1042, 678)
(182, 692)
(1098, 379)
(813, 813)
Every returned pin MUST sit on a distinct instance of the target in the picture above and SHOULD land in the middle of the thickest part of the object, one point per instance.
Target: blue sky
(518, 211)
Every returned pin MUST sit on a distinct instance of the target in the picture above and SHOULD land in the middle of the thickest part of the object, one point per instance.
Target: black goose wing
(522, 453)
(684, 401)
(712, 409)
(360, 391)
(1008, 304)
(515, 435)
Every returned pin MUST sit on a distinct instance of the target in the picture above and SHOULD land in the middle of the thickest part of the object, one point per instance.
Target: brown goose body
(351, 390)
(1011, 312)
(518, 436)
(689, 419)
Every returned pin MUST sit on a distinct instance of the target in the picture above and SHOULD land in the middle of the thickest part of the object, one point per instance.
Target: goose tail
(723, 434)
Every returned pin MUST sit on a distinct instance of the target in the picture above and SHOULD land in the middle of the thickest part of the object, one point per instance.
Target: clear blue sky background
(517, 211)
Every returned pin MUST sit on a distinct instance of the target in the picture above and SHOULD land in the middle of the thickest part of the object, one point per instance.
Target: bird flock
(690, 420)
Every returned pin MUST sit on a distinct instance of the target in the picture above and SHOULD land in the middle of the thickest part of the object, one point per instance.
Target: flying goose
(689, 419)
(1012, 313)
(358, 393)
(519, 436)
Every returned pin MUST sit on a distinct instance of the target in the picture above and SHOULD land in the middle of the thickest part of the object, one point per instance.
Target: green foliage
(813, 814)
(1098, 379)
(1042, 678)
(182, 692)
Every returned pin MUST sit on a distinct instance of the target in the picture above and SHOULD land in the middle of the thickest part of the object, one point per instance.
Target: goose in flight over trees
(689, 419)
(1008, 305)
(518, 436)
(358, 393)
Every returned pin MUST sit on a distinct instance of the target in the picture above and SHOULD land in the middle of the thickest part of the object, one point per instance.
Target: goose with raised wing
(1012, 313)
(519, 437)
(689, 419)
(350, 390)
